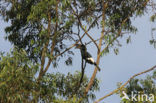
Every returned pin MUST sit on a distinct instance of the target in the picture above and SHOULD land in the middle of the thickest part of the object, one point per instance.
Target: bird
(86, 55)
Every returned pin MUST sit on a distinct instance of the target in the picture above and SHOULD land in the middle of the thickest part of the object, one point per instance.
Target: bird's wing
(88, 55)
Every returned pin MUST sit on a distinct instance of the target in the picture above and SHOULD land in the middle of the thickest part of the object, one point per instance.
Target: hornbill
(86, 55)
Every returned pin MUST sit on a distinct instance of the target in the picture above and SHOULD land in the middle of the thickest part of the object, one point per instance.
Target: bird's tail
(97, 66)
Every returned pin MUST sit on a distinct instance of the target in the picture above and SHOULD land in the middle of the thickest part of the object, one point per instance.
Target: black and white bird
(86, 55)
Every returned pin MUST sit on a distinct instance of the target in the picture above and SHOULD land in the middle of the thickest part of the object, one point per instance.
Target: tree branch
(45, 47)
(86, 32)
(98, 53)
(116, 90)
(54, 40)
(79, 39)
(43, 71)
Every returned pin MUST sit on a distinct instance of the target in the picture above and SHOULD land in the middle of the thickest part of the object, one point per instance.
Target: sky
(133, 58)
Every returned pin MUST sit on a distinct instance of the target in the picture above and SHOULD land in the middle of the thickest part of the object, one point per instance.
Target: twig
(116, 90)
(78, 27)
(88, 34)
(79, 21)
(79, 39)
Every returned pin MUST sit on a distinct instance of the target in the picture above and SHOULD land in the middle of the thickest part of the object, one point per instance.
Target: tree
(18, 82)
(43, 27)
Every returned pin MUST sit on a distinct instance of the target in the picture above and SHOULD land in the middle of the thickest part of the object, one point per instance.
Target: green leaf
(153, 17)
(116, 51)
(129, 39)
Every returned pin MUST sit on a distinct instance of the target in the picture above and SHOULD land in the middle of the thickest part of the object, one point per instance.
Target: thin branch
(45, 47)
(78, 27)
(106, 32)
(88, 34)
(79, 39)
(79, 21)
(54, 39)
(42, 72)
(116, 90)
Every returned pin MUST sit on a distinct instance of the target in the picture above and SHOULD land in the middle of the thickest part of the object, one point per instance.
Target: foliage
(68, 87)
(153, 40)
(18, 82)
(16, 77)
(152, 19)
(140, 87)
